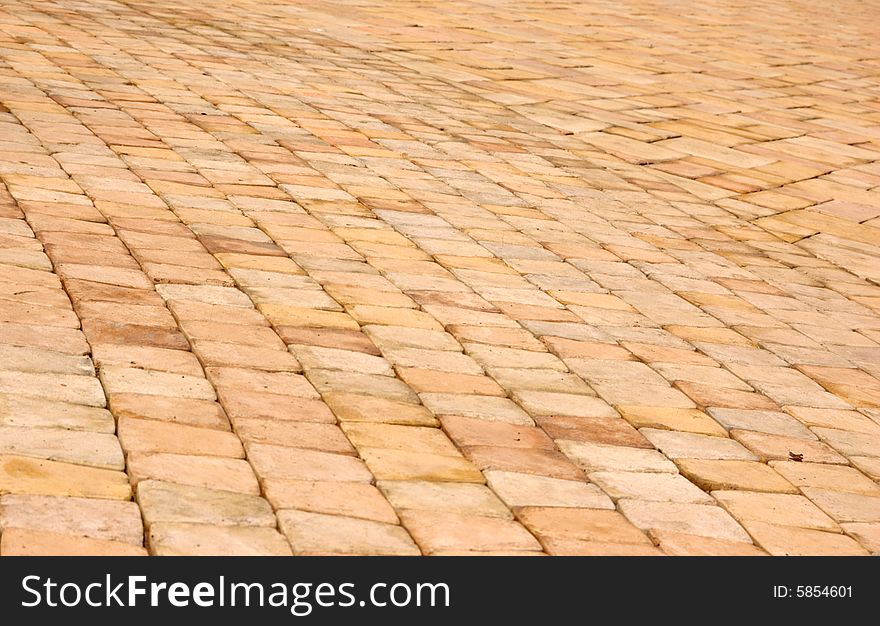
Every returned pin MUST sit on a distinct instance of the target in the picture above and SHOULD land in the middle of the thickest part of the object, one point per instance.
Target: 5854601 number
(813, 591)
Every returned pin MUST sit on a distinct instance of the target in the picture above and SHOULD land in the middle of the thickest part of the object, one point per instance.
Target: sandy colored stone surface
(380, 278)
(183, 539)
(712, 475)
(170, 502)
(681, 544)
(22, 542)
(109, 520)
(313, 533)
(27, 475)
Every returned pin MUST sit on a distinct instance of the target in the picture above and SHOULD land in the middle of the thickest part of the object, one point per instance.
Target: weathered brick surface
(322, 278)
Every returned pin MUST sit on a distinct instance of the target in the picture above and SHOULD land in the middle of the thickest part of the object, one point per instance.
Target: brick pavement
(377, 278)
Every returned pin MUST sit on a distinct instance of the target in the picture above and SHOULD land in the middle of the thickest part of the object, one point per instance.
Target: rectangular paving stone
(458, 498)
(481, 407)
(99, 450)
(24, 542)
(329, 381)
(539, 461)
(775, 508)
(332, 497)
(773, 422)
(442, 530)
(351, 407)
(724, 474)
(845, 506)
(28, 475)
(187, 469)
(649, 486)
(528, 490)
(597, 457)
(398, 437)
(38, 413)
(147, 357)
(318, 534)
(203, 413)
(779, 448)
(682, 544)
(109, 520)
(75, 389)
(693, 519)
(581, 524)
(184, 539)
(24, 359)
(693, 446)
(168, 502)
(129, 380)
(788, 541)
(682, 420)
(146, 436)
(824, 476)
(389, 464)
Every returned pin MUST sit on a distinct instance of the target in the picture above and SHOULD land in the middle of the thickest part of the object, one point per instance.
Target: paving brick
(147, 357)
(351, 407)
(603, 430)
(684, 420)
(581, 524)
(146, 382)
(528, 490)
(242, 379)
(66, 340)
(24, 359)
(775, 508)
(274, 461)
(772, 422)
(183, 539)
(349, 499)
(35, 412)
(788, 541)
(458, 498)
(435, 531)
(433, 381)
(649, 486)
(867, 535)
(317, 534)
(597, 457)
(693, 519)
(387, 464)
(146, 436)
(220, 354)
(168, 502)
(107, 332)
(693, 446)
(71, 446)
(470, 431)
(524, 460)
(849, 443)
(777, 447)
(331, 381)
(24, 542)
(108, 520)
(198, 471)
(193, 412)
(844, 506)
(481, 407)
(53, 387)
(303, 434)
(680, 544)
(718, 474)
